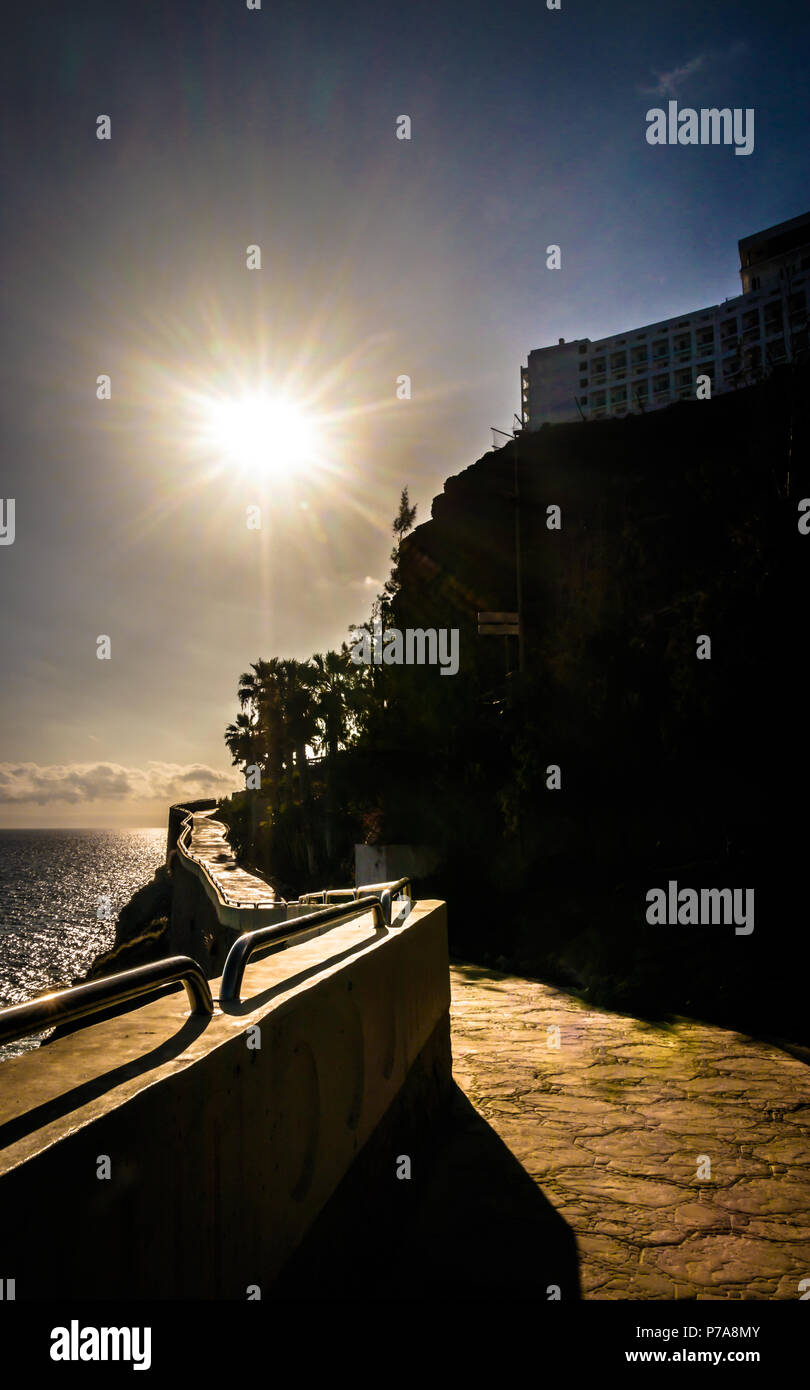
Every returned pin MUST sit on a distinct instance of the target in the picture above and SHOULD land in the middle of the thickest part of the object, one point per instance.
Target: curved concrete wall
(239, 919)
(177, 815)
(228, 914)
(220, 1154)
(196, 928)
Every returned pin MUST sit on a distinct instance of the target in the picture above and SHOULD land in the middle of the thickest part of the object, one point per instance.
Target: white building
(647, 368)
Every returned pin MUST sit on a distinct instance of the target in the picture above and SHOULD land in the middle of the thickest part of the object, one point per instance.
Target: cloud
(668, 83)
(365, 584)
(78, 783)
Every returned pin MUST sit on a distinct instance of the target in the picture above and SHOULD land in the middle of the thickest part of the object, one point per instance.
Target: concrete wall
(383, 863)
(195, 928)
(238, 919)
(221, 1156)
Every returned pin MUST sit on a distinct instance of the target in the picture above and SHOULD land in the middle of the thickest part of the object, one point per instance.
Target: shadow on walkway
(641, 1011)
(469, 1223)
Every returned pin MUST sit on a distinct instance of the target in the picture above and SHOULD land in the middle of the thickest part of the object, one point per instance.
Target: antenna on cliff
(495, 430)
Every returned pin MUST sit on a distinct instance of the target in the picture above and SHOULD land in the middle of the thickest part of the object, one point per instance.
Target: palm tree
(260, 690)
(245, 743)
(299, 716)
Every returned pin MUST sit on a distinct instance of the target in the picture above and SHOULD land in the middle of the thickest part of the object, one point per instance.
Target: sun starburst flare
(265, 436)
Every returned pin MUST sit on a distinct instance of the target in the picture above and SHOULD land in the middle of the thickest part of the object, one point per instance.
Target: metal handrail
(279, 932)
(384, 891)
(387, 892)
(393, 886)
(81, 1001)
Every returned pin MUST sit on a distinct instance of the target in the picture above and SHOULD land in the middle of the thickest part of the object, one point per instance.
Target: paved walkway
(616, 1125)
(210, 846)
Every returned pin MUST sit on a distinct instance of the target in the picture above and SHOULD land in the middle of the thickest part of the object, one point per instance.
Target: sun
(261, 434)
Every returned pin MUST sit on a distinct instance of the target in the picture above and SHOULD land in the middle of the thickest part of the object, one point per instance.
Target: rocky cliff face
(674, 526)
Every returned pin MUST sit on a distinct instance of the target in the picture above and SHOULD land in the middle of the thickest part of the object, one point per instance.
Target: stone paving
(210, 846)
(679, 1154)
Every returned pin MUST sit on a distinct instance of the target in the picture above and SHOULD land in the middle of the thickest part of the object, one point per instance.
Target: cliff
(677, 525)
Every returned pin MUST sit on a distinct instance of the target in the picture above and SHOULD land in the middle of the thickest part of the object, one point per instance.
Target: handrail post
(280, 933)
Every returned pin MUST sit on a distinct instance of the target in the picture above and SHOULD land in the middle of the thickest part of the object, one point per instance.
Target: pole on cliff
(518, 571)
(515, 436)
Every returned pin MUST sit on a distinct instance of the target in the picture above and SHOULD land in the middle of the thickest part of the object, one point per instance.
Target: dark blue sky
(380, 257)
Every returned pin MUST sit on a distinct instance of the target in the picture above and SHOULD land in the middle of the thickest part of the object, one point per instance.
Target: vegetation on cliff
(142, 929)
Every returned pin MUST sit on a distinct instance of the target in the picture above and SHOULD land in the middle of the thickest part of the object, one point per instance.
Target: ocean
(52, 885)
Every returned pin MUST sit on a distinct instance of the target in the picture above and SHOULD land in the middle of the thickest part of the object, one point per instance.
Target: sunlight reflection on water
(51, 884)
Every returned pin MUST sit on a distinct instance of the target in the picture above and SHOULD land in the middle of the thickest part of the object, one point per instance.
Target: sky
(381, 258)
